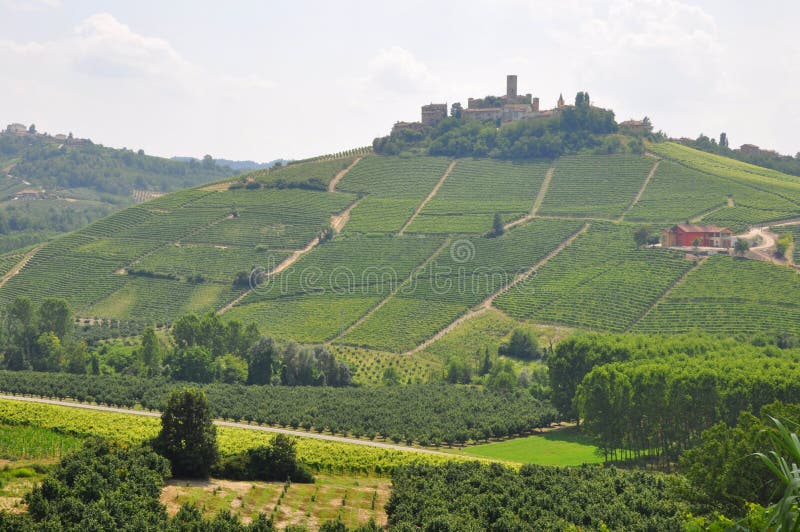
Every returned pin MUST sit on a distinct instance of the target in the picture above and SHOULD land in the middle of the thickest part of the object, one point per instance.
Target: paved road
(298, 433)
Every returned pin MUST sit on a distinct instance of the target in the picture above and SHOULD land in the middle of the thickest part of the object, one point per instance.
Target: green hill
(51, 185)
(410, 256)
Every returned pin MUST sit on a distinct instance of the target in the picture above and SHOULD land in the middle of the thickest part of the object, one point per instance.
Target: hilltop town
(21, 130)
(510, 107)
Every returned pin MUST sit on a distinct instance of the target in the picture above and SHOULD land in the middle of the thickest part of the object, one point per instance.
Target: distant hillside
(53, 184)
(748, 153)
(239, 166)
(390, 253)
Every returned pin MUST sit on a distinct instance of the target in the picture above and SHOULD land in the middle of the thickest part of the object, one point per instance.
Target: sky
(262, 80)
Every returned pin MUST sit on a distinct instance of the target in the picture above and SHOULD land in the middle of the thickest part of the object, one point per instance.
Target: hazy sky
(263, 79)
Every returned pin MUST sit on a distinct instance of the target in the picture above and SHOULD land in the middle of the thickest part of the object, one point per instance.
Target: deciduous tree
(188, 438)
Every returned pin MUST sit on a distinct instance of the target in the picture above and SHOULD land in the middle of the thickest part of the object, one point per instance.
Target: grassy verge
(563, 447)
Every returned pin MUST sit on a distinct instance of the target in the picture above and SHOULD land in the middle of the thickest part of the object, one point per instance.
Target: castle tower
(560, 104)
(511, 86)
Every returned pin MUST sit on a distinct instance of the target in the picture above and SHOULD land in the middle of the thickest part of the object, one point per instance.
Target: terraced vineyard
(9, 260)
(214, 262)
(380, 215)
(370, 288)
(723, 166)
(279, 219)
(394, 186)
(394, 177)
(311, 318)
(600, 282)
(591, 186)
(795, 230)
(214, 233)
(459, 277)
(464, 204)
(161, 300)
(678, 193)
(727, 295)
(760, 194)
(332, 286)
(321, 171)
(350, 266)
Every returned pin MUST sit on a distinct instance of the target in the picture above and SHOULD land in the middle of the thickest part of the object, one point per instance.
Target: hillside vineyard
(385, 252)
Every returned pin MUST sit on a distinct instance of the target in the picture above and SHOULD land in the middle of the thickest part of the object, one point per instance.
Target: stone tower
(560, 104)
(511, 86)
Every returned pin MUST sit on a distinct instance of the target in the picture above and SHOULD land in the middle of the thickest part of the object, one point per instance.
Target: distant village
(21, 130)
(510, 107)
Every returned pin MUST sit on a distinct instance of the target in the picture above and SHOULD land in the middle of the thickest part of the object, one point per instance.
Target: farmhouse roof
(693, 228)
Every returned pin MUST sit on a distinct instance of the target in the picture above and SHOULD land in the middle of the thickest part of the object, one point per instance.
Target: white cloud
(396, 69)
(105, 47)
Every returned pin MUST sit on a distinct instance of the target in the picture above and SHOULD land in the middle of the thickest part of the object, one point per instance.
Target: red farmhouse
(706, 236)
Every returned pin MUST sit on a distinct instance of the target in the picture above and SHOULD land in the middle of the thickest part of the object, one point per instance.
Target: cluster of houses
(21, 130)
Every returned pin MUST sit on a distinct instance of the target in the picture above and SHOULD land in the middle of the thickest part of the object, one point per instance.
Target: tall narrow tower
(511, 86)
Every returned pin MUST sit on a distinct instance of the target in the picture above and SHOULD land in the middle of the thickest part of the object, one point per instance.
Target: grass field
(563, 447)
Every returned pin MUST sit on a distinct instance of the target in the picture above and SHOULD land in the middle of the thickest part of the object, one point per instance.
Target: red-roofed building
(705, 236)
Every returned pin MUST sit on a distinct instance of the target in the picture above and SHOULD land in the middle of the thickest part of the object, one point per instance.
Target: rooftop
(693, 228)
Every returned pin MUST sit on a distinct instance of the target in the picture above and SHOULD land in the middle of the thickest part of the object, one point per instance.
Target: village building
(508, 108)
(29, 194)
(410, 126)
(636, 126)
(17, 128)
(750, 149)
(433, 113)
(691, 235)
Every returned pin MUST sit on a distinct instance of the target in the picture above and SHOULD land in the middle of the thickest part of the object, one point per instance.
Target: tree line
(652, 397)
(475, 496)
(434, 414)
(197, 348)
